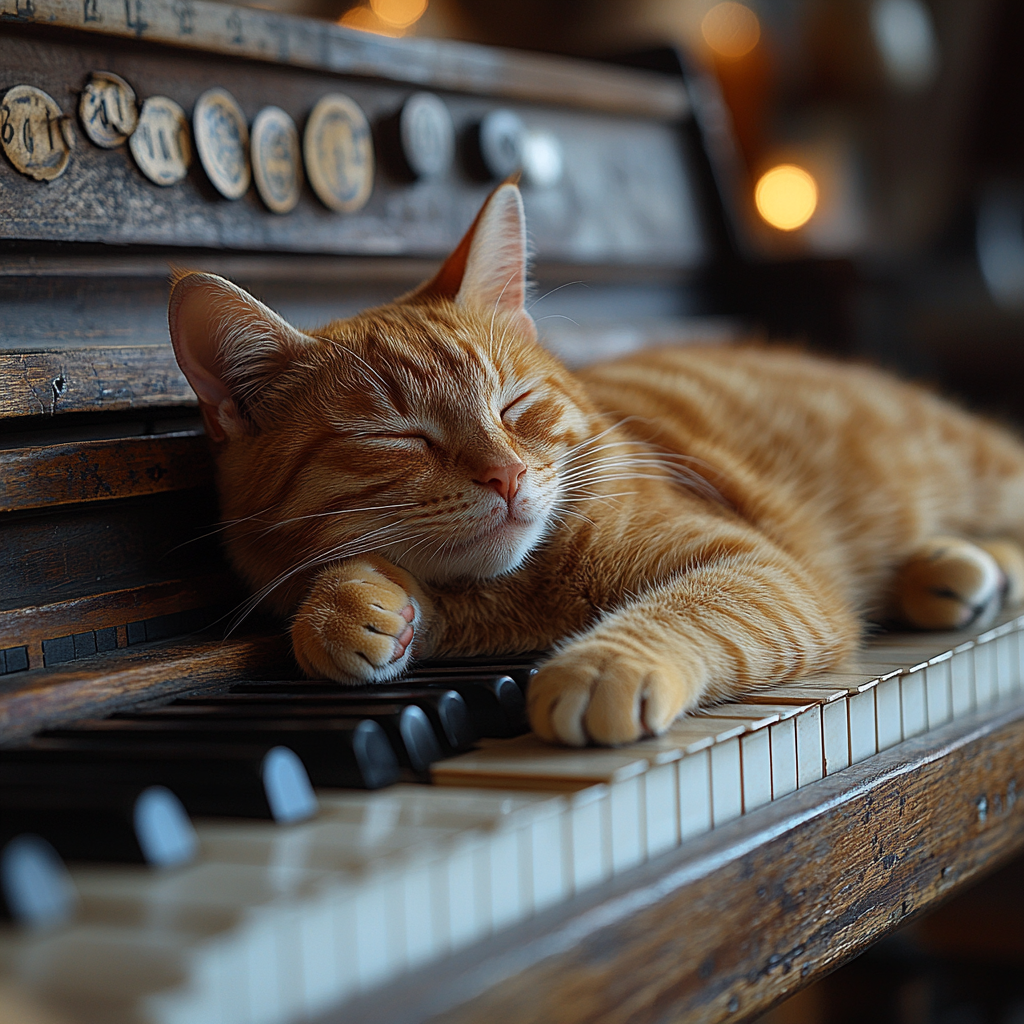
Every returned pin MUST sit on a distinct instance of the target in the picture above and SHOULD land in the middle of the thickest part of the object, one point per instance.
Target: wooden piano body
(698, 877)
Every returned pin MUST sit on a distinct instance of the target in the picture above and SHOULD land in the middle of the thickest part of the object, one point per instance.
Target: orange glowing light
(399, 13)
(384, 17)
(731, 30)
(786, 197)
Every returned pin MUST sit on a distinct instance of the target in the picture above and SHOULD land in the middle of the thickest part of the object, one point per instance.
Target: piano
(191, 833)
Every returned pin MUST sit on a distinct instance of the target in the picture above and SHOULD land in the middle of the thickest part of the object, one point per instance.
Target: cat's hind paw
(595, 693)
(949, 583)
(357, 625)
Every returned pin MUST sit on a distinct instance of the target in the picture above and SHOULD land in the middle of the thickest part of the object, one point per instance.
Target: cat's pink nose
(504, 480)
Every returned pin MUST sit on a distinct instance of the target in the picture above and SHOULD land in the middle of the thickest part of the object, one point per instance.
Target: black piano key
(446, 709)
(476, 661)
(126, 824)
(240, 782)
(347, 752)
(407, 727)
(495, 703)
(520, 674)
(36, 890)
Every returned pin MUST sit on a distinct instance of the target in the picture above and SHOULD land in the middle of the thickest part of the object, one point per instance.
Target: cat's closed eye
(515, 407)
(412, 438)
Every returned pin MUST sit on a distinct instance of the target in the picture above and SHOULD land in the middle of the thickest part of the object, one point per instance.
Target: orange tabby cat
(680, 525)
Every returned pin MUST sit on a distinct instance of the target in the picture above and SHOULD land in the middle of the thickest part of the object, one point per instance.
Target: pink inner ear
(195, 313)
(495, 274)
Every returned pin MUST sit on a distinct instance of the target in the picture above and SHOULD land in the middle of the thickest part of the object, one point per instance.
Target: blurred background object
(878, 180)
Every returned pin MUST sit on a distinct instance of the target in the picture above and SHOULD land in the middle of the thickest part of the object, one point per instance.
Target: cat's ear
(487, 270)
(229, 346)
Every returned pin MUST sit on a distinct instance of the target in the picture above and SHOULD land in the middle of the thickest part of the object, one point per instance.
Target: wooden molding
(105, 683)
(737, 920)
(91, 380)
(317, 44)
(63, 474)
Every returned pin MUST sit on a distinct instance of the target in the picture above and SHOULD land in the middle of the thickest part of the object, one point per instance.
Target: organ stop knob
(427, 135)
(499, 143)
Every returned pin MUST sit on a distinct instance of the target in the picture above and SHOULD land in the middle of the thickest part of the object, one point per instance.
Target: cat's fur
(681, 525)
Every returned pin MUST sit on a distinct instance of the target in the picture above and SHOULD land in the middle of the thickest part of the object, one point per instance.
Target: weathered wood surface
(312, 43)
(30, 701)
(31, 625)
(91, 379)
(41, 477)
(96, 547)
(739, 919)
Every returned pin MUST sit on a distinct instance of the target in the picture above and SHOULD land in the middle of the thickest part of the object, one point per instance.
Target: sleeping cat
(680, 525)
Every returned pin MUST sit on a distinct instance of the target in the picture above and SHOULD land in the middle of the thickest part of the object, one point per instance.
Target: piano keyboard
(277, 922)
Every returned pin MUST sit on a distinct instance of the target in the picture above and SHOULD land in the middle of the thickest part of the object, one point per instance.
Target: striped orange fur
(680, 526)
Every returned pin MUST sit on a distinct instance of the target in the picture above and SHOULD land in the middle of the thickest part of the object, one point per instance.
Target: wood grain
(97, 547)
(304, 42)
(91, 379)
(42, 477)
(30, 626)
(38, 699)
(739, 919)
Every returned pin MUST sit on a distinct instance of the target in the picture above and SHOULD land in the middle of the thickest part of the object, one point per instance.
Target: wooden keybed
(699, 876)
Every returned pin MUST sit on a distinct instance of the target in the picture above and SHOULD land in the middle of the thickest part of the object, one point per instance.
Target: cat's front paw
(597, 692)
(357, 624)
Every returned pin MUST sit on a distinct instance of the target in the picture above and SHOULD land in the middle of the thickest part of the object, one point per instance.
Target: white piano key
(810, 758)
(782, 737)
(588, 841)
(325, 978)
(1019, 624)
(938, 684)
(545, 859)
(756, 765)
(888, 713)
(694, 773)
(835, 733)
(529, 763)
(627, 824)
(509, 902)
(345, 918)
(661, 808)
(755, 716)
(985, 687)
(85, 964)
(961, 671)
(1007, 664)
(464, 918)
(378, 917)
(863, 729)
(726, 782)
(912, 704)
(800, 692)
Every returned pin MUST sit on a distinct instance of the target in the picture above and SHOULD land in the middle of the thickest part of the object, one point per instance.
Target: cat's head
(433, 430)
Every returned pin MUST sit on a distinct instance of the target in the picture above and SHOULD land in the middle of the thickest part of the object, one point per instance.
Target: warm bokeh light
(731, 30)
(786, 196)
(385, 17)
(399, 13)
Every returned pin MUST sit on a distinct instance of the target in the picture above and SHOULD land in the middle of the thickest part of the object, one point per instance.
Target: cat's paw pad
(949, 584)
(356, 626)
(593, 693)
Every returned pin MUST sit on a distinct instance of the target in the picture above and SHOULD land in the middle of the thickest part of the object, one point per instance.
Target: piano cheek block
(36, 890)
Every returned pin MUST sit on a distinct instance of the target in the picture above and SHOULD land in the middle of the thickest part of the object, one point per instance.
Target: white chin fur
(491, 557)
